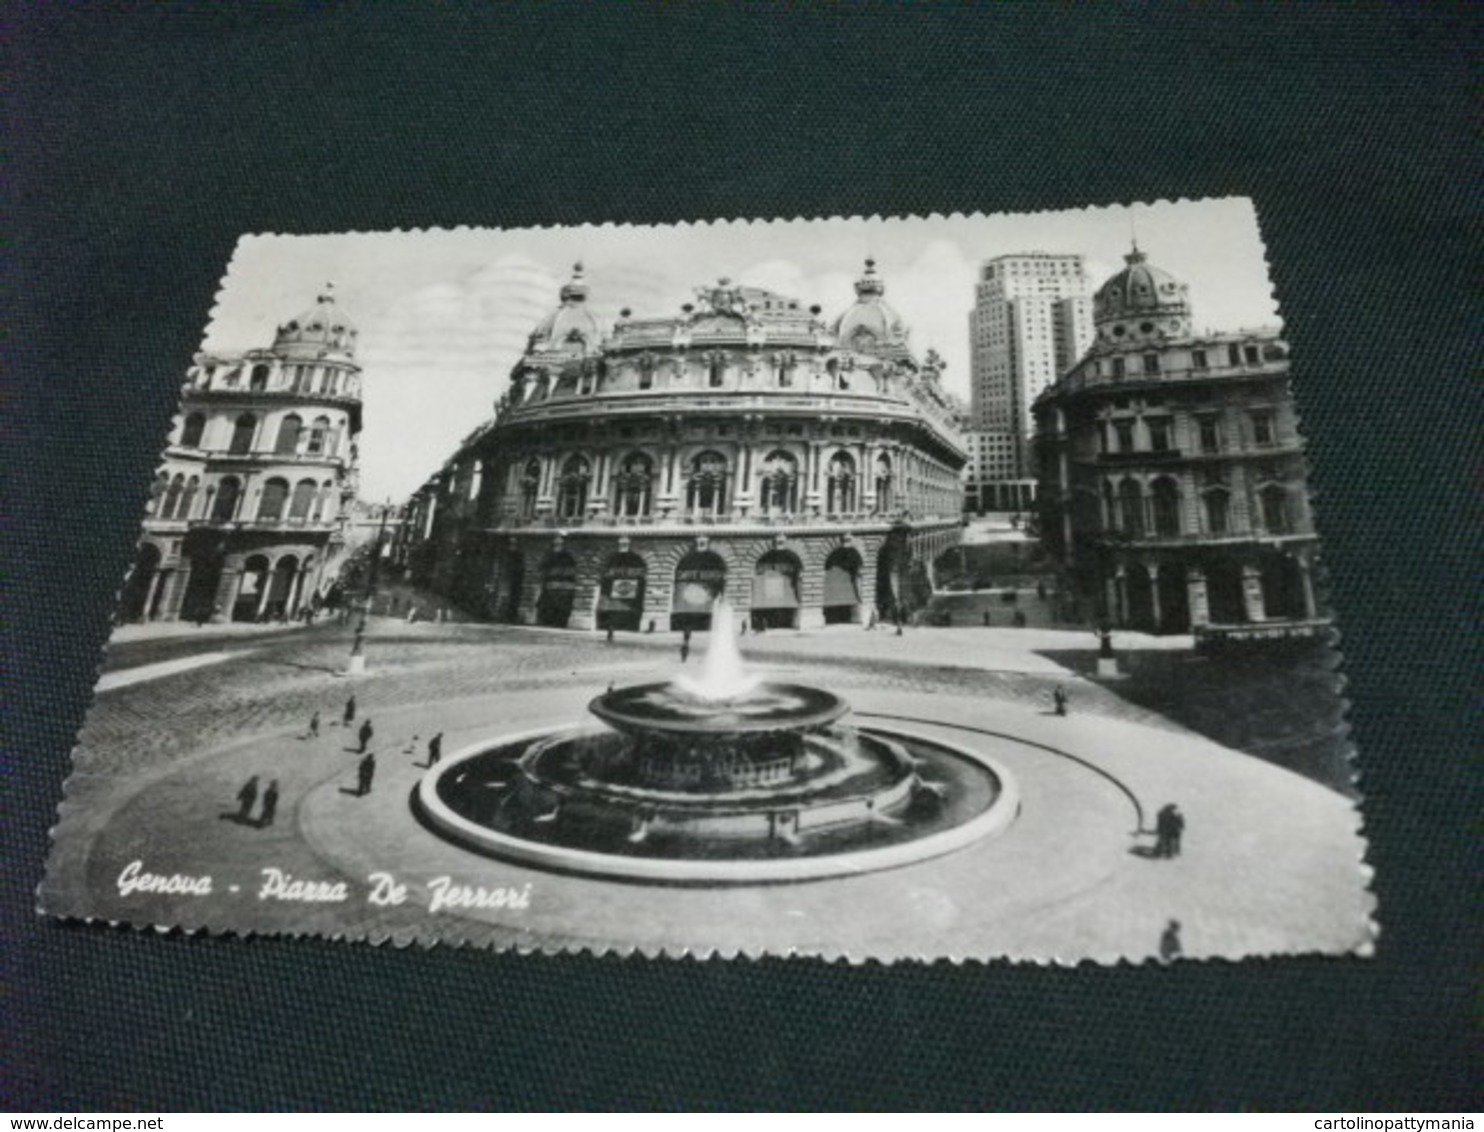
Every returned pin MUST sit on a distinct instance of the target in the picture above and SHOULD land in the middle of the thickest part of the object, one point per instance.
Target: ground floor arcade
(1201, 589)
(204, 576)
(671, 580)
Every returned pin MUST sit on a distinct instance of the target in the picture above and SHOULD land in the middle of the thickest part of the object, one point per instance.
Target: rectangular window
(1198, 359)
(1210, 436)
(1125, 430)
(1117, 369)
(1159, 434)
(1234, 355)
(1251, 355)
(1151, 363)
(1262, 428)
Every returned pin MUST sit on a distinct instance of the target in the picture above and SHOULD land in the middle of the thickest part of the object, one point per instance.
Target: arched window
(780, 483)
(188, 499)
(1218, 505)
(172, 497)
(288, 435)
(840, 484)
(1131, 506)
(259, 379)
(1275, 510)
(633, 484)
(191, 430)
(303, 498)
(275, 494)
(706, 488)
(572, 495)
(242, 434)
(322, 499)
(530, 487)
(1166, 508)
(318, 432)
(883, 493)
(224, 507)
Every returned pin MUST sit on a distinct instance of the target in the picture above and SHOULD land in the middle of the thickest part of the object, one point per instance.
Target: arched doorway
(1224, 593)
(252, 589)
(558, 590)
(700, 578)
(775, 591)
(200, 596)
(281, 588)
(1282, 587)
(621, 592)
(842, 592)
(1140, 598)
(1174, 600)
(509, 578)
(139, 589)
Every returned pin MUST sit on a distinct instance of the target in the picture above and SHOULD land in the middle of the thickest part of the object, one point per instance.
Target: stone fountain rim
(834, 707)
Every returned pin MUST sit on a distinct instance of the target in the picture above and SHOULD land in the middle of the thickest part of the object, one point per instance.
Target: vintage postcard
(917, 588)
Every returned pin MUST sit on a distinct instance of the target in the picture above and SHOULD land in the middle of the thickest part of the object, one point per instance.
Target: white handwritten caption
(382, 890)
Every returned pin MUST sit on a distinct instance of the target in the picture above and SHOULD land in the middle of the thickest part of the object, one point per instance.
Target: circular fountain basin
(561, 800)
(668, 711)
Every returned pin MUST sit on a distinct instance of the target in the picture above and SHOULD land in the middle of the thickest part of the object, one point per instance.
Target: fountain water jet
(724, 676)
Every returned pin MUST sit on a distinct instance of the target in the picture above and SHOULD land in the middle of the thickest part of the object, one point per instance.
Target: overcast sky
(444, 315)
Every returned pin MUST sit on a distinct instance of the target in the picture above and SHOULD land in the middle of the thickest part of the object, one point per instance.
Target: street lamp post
(357, 665)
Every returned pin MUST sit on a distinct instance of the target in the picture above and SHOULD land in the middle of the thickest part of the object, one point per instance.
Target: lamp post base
(356, 667)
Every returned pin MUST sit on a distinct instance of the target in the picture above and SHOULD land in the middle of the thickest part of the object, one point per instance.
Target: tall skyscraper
(1032, 320)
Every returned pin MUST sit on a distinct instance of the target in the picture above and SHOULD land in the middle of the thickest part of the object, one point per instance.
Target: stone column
(1306, 579)
(1153, 571)
(149, 600)
(180, 580)
(1195, 593)
(1252, 594)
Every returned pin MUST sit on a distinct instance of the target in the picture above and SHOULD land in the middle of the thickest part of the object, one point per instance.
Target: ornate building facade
(807, 470)
(246, 513)
(1172, 473)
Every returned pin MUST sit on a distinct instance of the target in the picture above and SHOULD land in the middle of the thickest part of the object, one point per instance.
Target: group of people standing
(248, 796)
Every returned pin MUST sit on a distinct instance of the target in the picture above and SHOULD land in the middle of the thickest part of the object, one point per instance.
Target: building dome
(571, 328)
(870, 326)
(1141, 302)
(321, 330)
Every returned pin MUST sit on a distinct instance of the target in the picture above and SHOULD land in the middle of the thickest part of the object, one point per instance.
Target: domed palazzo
(745, 447)
(245, 519)
(1172, 474)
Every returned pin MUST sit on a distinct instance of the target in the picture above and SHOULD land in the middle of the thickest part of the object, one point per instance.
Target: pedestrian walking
(350, 711)
(1164, 831)
(1019, 619)
(609, 637)
(314, 726)
(1059, 699)
(365, 772)
(365, 734)
(1177, 828)
(270, 805)
(685, 649)
(435, 749)
(246, 798)
(986, 619)
(1169, 942)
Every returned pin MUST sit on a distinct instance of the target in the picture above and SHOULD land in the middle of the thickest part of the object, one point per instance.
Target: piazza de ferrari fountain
(720, 779)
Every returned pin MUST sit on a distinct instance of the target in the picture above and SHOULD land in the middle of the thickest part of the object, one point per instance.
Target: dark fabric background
(146, 139)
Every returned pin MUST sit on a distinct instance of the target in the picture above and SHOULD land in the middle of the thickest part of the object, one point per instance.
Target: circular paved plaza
(1271, 862)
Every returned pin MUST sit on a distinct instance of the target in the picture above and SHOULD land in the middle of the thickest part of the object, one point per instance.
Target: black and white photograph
(916, 588)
